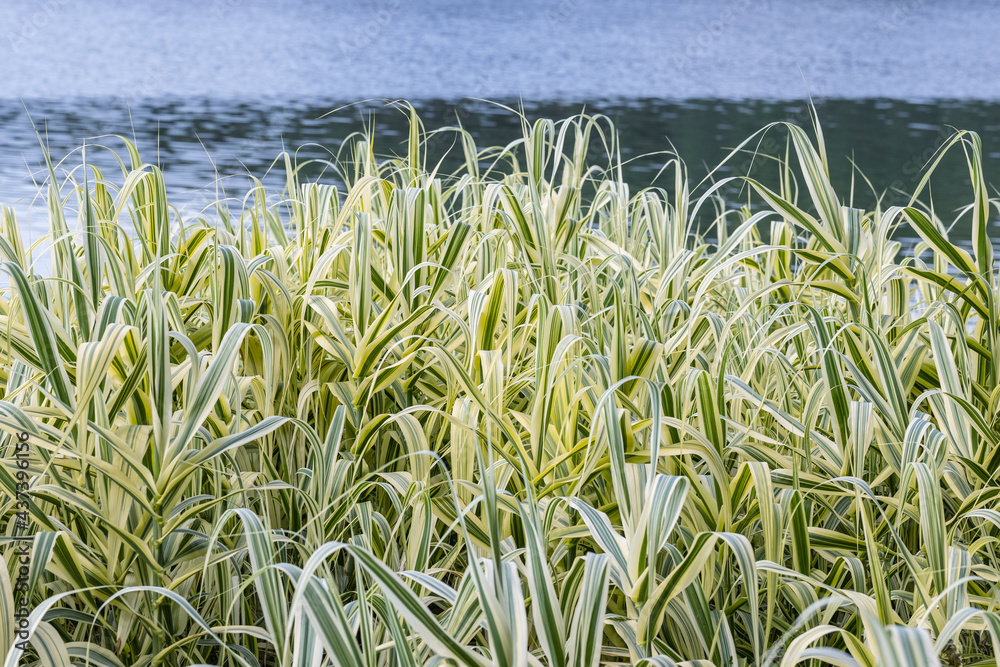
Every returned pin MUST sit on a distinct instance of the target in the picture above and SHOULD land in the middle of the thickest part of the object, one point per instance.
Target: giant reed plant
(512, 415)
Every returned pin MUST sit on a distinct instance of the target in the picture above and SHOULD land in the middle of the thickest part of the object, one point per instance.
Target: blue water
(213, 89)
(545, 49)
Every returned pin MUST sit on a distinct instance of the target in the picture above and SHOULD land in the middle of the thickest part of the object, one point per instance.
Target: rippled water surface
(217, 88)
(206, 147)
(538, 49)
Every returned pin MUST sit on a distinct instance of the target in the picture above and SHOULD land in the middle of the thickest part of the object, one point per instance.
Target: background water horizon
(206, 103)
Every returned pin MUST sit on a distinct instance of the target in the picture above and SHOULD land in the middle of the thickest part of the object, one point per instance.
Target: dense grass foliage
(511, 415)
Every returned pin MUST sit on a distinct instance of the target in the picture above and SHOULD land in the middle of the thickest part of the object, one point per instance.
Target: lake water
(217, 88)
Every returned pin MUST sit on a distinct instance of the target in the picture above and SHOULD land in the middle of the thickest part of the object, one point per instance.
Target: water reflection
(205, 146)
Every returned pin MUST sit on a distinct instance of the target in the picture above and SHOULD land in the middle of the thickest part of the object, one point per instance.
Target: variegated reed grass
(513, 415)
